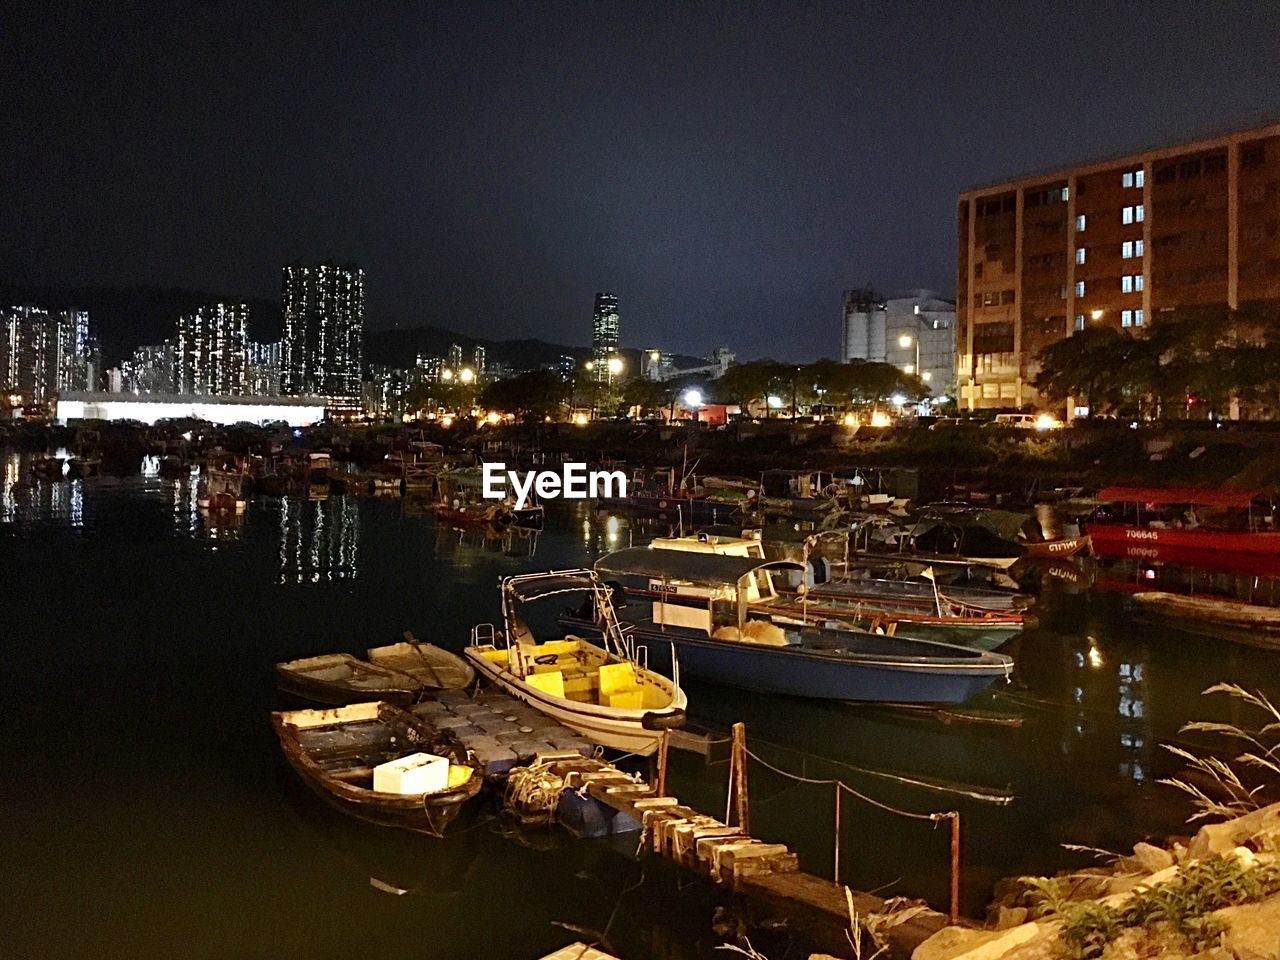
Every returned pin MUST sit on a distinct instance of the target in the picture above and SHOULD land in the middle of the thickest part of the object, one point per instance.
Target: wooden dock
(728, 854)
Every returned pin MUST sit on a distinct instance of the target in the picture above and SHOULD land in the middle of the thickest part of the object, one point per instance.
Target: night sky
(726, 169)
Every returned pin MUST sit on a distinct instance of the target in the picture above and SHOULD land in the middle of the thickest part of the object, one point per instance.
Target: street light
(905, 341)
(446, 375)
(467, 375)
(693, 397)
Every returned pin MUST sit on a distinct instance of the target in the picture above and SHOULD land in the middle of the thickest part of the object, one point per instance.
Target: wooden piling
(664, 744)
(955, 866)
(738, 779)
(835, 872)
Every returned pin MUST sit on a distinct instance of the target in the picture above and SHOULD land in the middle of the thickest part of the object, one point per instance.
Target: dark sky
(726, 169)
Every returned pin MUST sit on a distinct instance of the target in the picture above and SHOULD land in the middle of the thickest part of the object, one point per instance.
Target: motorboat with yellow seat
(607, 693)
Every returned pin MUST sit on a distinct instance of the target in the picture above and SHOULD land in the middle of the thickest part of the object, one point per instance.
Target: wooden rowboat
(335, 751)
(400, 673)
(1212, 616)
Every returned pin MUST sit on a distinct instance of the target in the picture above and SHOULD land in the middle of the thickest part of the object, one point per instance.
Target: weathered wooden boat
(922, 592)
(702, 611)
(335, 751)
(1199, 526)
(948, 622)
(606, 693)
(401, 673)
(1213, 616)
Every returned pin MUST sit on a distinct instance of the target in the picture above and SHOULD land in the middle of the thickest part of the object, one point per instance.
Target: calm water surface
(149, 814)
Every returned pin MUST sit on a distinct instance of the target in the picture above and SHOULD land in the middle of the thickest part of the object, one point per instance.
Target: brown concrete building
(1119, 242)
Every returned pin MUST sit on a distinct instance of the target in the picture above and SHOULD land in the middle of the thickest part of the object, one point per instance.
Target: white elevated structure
(148, 408)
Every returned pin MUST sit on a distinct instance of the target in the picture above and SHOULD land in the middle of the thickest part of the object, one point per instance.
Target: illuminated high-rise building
(479, 361)
(211, 350)
(151, 369)
(42, 355)
(322, 347)
(604, 335)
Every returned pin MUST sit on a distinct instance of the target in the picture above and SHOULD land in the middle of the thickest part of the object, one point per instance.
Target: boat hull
(431, 814)
(1115, 539)
(631, 731)
(817, 675)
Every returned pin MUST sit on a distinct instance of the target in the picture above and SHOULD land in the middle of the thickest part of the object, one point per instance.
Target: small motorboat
(222, 493)
(401, 673)
(606, 693)
(337, 751)
(702, 609)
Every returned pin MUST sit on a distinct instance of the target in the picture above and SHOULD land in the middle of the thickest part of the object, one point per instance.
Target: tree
(1089, 365)
(533, 395)
(650, 396)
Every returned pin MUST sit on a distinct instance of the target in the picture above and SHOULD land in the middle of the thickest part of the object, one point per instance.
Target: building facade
(43, 355)
(150, 369)
(660, 366)
(605, 326)
(916, 332)
(322, 349)
(1119, 242)
(211, 351)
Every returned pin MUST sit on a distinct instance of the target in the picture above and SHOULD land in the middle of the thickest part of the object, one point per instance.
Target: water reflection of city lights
(611, 530)
(1095, 657)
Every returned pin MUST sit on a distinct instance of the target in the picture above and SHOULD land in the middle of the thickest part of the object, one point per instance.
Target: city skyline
(738, 175)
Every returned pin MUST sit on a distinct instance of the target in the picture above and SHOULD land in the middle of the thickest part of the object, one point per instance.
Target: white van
(1019, 421)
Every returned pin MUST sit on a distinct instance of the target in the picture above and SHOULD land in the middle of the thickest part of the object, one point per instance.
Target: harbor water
(149, 813)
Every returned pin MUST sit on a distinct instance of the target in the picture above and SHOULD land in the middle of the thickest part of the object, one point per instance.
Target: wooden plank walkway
(727, 854)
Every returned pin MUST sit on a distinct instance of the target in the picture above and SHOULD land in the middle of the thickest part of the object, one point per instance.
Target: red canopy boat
(1170, 520)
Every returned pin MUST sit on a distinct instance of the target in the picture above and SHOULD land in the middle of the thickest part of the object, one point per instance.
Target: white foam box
(416, 773)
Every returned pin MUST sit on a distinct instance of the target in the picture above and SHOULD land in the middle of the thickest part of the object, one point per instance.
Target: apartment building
(1119, 242)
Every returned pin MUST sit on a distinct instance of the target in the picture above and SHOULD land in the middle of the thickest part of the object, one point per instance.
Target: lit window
(1079, 254)
(1079, 321)
(1066, 192)
(1133, 178)
(1139, 177)
(1138, 281)
(1126, 249)
(1137, 248)
(1126, 178)
(1138, 213)
(1079, 288)
(1126, 283)
(1080, 222)
(1126, 215)
(1126, 318)
(1137, 318)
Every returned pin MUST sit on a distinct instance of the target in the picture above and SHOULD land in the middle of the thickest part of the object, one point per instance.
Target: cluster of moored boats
(633, 627)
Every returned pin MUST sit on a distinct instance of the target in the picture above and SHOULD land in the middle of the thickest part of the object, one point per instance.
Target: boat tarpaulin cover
(1164, 496)
(686, 565)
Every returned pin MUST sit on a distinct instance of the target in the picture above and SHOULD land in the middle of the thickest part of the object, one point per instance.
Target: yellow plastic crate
(552, 683)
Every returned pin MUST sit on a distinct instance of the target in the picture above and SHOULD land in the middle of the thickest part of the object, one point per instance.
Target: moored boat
(702, 610)
(401, 673)
(1200, 526)
(1220, 617)
(939, 618)
(336, 751)
(606, 693)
